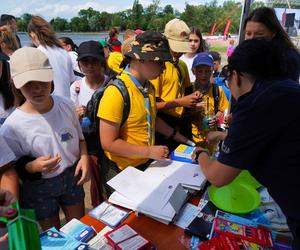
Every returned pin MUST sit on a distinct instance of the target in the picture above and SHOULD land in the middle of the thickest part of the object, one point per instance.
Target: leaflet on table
(186, 215)
(165, 215)
(187, 174)
(108, 214)
(125, 238)
(78, 230)
(142, 188)
(99, 242)
(52, 239)
(202, 224)
(268, 213)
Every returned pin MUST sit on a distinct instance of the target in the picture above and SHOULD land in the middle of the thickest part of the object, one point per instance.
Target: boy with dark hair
(217, 64)
(10, 21)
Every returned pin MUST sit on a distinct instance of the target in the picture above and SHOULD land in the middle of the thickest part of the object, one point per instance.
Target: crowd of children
(154, 92)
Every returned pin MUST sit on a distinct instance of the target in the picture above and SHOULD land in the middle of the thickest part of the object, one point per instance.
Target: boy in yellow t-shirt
(132, 144)
(171, 84)
(207, 112)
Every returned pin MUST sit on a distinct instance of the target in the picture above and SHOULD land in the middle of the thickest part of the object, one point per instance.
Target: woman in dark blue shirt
(263, 136)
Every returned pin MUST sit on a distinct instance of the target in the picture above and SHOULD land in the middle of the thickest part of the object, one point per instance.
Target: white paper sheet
(187, 214)
(184, 173)
(143, 189)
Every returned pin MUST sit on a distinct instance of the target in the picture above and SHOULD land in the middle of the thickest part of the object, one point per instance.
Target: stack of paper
(187, 174)
(157, 192)
(153, 195)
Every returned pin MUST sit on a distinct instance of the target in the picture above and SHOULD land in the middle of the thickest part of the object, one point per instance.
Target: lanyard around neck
(145, 92)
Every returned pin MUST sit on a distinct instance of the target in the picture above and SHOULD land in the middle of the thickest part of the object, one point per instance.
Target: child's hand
(191, 100)
(228, 119)
(83, 166)
(213, 121)
(80, 110)
(201, 105)
(158, 152)
(44, 164)
(7, 198)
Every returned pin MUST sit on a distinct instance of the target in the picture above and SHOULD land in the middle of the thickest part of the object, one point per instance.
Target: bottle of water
(85, 124)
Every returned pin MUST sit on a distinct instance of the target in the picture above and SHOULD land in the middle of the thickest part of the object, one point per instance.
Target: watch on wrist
(199, 152)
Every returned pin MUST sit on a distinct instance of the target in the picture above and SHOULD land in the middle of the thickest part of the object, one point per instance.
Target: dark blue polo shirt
(264, 138)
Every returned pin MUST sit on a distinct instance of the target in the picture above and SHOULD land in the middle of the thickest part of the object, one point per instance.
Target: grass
(219, 49)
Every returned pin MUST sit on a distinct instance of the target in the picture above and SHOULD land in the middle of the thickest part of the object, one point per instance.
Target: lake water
(77, 38)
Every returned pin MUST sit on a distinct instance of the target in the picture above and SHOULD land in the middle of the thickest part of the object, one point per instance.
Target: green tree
(79, 24)
(257, 5)
(105, 20)
(230, 10)
(88, 13)
(22, 24)
(95, 22)
(59, 24)
(151, 13)
(136, 18)
(23, 21)
(168, 9)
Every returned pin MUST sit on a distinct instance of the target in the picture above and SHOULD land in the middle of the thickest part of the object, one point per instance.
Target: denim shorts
(47, 195)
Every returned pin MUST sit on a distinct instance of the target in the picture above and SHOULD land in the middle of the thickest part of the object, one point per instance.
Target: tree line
(150, 17)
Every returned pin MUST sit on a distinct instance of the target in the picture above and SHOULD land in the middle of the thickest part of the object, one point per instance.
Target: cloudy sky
(69, 8)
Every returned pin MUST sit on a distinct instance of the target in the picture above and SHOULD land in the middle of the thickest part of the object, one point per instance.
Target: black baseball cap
(92, 49)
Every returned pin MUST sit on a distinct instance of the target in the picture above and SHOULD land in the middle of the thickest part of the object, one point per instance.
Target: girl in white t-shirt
(68, 44)
(46, 128)
(44, 38)
(197, 45)
(92, 63)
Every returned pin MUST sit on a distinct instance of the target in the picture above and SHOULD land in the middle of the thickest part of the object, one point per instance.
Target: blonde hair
(9, 38)
(44, 32)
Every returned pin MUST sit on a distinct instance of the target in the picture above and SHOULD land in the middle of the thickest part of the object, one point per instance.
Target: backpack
(91, 130)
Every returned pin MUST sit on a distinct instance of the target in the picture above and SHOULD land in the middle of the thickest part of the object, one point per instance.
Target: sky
(49, 9)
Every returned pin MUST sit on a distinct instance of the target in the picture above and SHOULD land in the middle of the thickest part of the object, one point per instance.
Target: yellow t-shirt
(198, 132)
(170, 85)
(114, 60)
(135, 129)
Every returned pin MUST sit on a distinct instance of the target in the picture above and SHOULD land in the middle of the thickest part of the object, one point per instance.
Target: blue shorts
(47, 195)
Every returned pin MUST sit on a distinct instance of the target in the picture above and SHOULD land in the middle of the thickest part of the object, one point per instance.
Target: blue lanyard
(145, 93)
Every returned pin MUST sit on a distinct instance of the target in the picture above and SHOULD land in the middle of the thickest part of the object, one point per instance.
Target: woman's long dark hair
(197, 32)
(69, 41)
(5, 86)
(267, 17)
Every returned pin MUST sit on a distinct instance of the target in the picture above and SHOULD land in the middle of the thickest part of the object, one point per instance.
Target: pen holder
(23, 231)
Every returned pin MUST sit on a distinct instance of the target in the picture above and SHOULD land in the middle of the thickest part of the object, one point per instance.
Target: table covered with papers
(167, 208)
